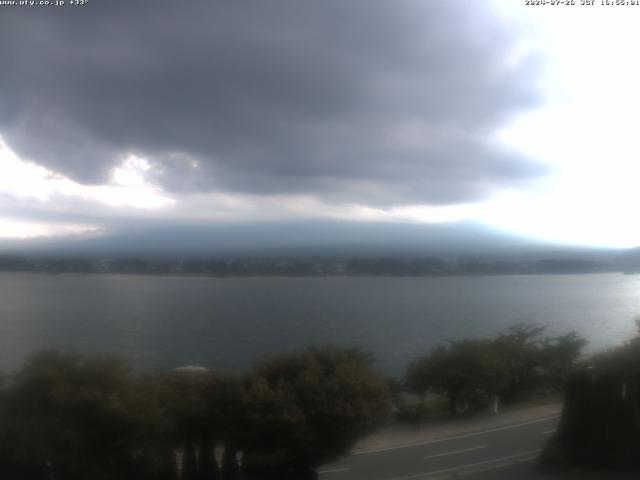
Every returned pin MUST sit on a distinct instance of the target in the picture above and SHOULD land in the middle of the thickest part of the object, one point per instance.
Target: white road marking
(455, 452)
(334, 470)
(502, 461)
(495, 466)
(497, 429)
(547, 432)
(456, 437)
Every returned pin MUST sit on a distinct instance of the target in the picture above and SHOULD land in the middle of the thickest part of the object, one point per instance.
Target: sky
(121, 117)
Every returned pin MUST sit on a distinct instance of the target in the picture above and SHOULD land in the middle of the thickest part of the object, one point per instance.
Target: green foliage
(207, 410)
(396, 388)
(467, 371)
(521, 349)
(67, 416)
(225, 409)
(599, 425)
(71, 417)
(415, 411)
(558, 358)
(419, 377)
(513, 365)
(625, 358)
(308, 408)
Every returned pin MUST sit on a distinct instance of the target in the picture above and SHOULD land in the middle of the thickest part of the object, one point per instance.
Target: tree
(304, 409)
(74, 417)
(520, 348)
(599, 425)
(515, 364)
(150, 408)
(68, 417)
(419, 377)
(467, 371)
(558, 359)
(205, 409)
(536, 363)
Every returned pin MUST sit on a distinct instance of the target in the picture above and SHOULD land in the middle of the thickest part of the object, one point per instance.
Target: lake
(226, 323)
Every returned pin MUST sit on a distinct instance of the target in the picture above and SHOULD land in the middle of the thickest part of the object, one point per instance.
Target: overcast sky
(125, 115)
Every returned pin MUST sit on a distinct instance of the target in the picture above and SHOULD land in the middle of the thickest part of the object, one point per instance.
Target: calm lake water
(162, 322)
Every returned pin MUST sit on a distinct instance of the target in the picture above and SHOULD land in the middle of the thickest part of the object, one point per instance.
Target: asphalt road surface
(505, 452)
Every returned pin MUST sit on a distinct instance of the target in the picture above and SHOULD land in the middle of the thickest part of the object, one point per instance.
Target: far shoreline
(253, 276)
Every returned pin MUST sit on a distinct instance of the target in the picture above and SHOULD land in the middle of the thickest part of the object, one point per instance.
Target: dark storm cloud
(379, 102)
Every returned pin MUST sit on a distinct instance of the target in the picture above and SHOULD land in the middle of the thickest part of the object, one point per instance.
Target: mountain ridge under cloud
(300, 238)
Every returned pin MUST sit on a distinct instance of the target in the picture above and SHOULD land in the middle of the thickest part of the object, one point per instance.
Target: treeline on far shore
(319, 266)
(69, 416)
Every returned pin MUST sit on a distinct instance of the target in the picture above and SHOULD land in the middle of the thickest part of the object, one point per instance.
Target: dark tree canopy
(69, 414)
(464, 370)
(66, 416)
(308, 408)
(599, 425)
(513, 365)
(75, 417)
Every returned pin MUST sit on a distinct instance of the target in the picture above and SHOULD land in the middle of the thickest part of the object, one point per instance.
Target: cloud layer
(364, 102)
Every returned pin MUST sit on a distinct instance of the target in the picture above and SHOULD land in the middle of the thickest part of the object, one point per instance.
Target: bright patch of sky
(587, 131)
(27, 182)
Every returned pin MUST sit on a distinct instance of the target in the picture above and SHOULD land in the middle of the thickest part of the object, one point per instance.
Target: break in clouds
(365, 102)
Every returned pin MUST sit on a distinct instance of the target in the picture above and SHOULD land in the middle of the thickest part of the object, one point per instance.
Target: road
(507, 451)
